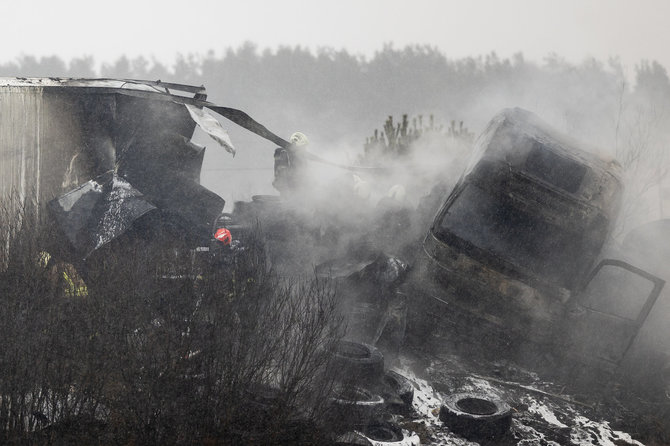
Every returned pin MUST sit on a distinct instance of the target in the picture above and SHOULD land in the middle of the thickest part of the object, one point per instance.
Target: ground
(543, 413)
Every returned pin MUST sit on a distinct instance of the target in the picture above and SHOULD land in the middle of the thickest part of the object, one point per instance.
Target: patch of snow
(481, 386)
(408, 440)
(588, 432)
(531, 436)
(125, 203)
(543, 411)
(426, 401)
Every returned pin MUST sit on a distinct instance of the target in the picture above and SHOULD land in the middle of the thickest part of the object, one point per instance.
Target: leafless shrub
(640, 140)
(48, 340)
(158, 357)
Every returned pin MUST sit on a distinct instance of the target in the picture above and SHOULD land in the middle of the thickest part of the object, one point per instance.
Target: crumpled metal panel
(210, 125)
(98, 211)
(176, 193)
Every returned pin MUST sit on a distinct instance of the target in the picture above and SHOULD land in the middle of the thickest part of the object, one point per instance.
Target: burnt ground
(544, 412)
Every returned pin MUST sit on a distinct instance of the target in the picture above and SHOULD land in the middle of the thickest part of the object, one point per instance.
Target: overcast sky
(573, 29)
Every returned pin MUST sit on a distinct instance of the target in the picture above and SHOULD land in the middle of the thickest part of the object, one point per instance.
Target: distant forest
(338, 99)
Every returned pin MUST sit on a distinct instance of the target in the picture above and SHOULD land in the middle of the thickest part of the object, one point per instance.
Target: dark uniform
(289, 167)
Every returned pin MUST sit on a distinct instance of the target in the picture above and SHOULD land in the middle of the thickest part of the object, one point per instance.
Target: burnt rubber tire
(386, 434)
(476, 416)
(358, 362)
(353, 406)
(400, 385)
(398, 392)
(379, 434)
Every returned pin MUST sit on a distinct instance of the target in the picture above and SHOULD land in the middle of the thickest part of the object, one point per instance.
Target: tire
(379, 434)
(476, 416)
(398, 392)
(389, 434)
(353, 406)
(358, 362)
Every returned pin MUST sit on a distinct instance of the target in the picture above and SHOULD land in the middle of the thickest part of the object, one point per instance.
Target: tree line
(341, 96)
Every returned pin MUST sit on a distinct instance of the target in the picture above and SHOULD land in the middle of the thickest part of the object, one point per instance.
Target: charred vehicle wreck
(513, 260)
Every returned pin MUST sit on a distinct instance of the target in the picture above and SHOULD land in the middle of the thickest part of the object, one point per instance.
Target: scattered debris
(507, 265)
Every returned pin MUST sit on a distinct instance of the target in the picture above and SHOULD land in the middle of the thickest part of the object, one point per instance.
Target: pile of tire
(367, 396)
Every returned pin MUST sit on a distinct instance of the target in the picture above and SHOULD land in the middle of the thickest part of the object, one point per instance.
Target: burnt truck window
(556, 170)
(492, 222)
(618, 291)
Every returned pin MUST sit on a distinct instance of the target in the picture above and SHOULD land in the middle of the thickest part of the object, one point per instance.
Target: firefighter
(63, 276)
(289, 167)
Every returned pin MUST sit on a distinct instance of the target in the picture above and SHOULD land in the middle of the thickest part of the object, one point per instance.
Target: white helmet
(299, 139)
(397, 193)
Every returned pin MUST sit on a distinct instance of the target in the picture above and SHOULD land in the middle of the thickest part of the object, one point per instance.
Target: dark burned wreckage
(517, 248)
(513, 258)
(101, 154)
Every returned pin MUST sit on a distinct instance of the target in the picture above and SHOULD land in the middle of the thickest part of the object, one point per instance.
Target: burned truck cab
(513, 246)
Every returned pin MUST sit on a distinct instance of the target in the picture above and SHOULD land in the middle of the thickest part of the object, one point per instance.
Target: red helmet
(224, 236)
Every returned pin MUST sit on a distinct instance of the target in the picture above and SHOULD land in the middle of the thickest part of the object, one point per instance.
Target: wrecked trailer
(508, 263)
(102, 153)
(105, 156)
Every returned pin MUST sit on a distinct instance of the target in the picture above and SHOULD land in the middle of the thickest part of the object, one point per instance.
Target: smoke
(342, 210)
(593, 101)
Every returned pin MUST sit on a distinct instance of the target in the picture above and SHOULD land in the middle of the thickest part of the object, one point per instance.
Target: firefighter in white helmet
(290, 164)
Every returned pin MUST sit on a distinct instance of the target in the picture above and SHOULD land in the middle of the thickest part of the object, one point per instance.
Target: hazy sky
(574, 29)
